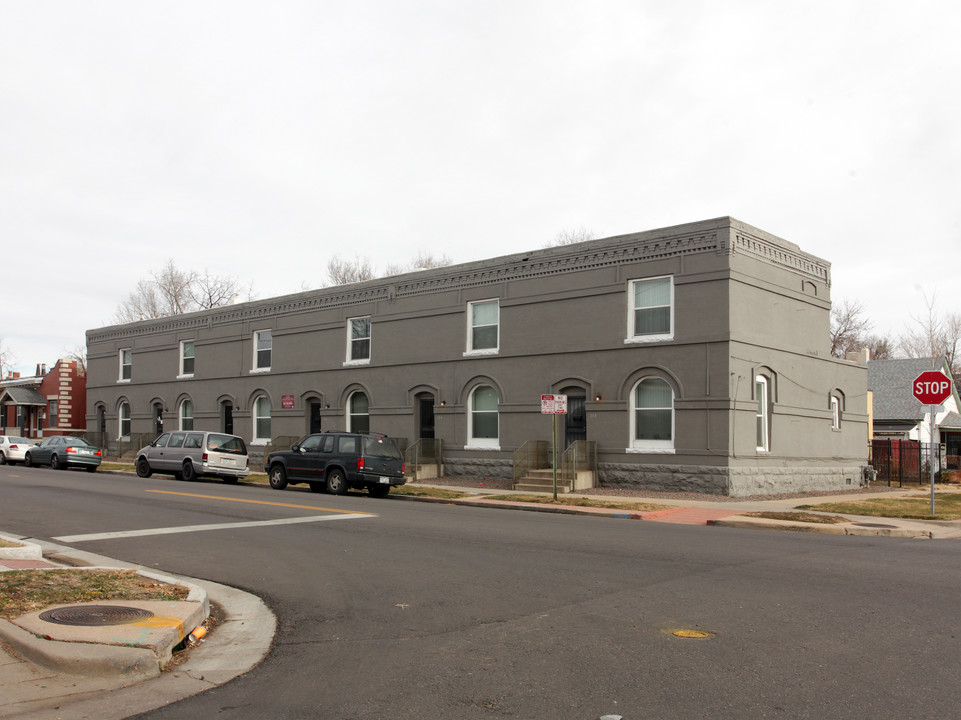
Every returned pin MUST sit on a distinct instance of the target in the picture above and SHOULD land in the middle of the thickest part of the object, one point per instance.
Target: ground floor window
(358, 413)
(652, 415)
(124, 420)
(262, 419)
(484, 425)
(186, 415)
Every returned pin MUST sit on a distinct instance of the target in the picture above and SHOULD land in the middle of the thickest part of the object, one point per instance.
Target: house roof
(891, 380)
(952, 421)
(21, 396)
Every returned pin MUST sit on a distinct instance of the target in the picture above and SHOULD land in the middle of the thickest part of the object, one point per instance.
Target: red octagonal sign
(931, 387)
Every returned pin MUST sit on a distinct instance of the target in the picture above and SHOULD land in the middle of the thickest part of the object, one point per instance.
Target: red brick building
(48, 403)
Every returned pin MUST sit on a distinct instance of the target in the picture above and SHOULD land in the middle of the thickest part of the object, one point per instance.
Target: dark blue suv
(337, 461)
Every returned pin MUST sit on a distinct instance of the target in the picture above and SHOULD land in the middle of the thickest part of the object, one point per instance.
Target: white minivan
(189, 455)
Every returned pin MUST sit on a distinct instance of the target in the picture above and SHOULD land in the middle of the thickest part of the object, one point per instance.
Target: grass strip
(947, 506)
(26, 591)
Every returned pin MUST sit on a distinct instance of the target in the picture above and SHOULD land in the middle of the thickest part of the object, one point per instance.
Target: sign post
(554, 405)
(931, 388)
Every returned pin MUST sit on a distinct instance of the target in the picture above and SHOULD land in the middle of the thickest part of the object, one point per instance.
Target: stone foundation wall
(735, 482)
(478, 468)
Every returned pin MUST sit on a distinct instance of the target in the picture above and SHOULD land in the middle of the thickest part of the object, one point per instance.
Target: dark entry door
(158, 410)
(228, 418)
(426, 417)
(314, 426)
(575, 422)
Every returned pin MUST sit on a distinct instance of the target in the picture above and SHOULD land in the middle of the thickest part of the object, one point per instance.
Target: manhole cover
(877, 525)
(95, 615)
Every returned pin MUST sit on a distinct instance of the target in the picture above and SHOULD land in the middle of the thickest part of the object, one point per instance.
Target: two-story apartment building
(695, 356)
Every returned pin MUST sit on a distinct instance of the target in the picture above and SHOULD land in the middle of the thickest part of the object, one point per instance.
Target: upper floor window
(835, 412)
(358, 413)
(126, 364)
(651, 310)
(262, 419)
(186, 415)
(263, 348)
(124, 420)
(483, 331)
(652, 415)
(763, 413)
(187, 358)
(484, 420)
(358, 340)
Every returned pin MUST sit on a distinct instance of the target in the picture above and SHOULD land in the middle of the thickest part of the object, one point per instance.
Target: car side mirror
(295, 447)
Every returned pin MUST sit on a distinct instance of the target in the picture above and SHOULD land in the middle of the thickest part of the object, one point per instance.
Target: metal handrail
(581, 455)
(426, 451)
(532, 455)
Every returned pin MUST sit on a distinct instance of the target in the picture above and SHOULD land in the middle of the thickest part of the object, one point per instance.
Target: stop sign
(931, 387)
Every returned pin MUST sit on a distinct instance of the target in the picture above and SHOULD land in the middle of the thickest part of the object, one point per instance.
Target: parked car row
(331, 462)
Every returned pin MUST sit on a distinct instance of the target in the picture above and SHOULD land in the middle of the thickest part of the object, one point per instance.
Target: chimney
(37, 373)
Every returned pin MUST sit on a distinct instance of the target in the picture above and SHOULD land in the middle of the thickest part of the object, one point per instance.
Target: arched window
(124, 417)
(484, 427)
(763, 413)
(186, 415)
(262, 419)
(652, 415)
(358, 413)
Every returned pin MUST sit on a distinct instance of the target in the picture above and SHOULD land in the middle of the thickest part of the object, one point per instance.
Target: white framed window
(124, 420)
(763, 413)
(484, 423)
(187, 358)
(186, 415)
(835, 412)
(262, 420)
(263, 350)
(52, 409)
(358, 341)
(651, 310)
(483, 327)
(358, 413)
(652, 416)
(126, 365)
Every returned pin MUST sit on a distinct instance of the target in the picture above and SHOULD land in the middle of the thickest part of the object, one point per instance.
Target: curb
(25, 551)
(820, 528)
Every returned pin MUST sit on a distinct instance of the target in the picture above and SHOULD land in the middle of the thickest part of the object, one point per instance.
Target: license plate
(228, 461)
(384, 481)
(84, 452)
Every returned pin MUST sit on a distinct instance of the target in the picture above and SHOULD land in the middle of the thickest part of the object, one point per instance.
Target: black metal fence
(905, 461)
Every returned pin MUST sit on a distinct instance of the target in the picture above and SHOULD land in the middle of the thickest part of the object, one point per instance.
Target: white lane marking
(201, 528)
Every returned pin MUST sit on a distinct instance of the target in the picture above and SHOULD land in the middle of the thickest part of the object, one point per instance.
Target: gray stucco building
(696, 357)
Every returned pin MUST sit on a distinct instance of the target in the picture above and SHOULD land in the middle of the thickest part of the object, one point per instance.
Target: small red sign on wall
(287, 402)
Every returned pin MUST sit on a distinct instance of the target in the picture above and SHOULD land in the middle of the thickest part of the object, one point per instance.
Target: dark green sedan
(63, 451)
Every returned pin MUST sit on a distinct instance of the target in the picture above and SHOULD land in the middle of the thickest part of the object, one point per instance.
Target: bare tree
(848, 328)
(172, 291)
(423, 260)
(341, 272)
(880, 347)
(934, 336)
(571, 236)
(7, 360)
(79, 353)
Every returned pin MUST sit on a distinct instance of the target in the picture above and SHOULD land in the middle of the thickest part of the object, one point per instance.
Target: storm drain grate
(95, 615)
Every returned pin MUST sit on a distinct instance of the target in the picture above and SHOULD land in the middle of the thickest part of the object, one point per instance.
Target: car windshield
(226, 444)
(381, 447)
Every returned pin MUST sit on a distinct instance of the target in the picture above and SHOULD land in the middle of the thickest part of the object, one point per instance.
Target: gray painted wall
(744, 302)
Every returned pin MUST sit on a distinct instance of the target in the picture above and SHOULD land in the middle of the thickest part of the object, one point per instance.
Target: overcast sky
(258, 139)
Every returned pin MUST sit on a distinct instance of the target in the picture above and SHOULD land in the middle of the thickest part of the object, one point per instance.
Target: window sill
(355, 363)
(483, 447)
(650, 451)
(256, 371)
(185, 377)
(648, 339)
(479, 353)
(123, 380)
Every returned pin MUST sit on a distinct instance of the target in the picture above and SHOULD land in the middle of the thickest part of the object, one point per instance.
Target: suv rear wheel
(336, 483)
(278, 477)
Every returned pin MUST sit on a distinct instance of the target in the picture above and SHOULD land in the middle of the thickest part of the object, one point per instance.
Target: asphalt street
(395, 609)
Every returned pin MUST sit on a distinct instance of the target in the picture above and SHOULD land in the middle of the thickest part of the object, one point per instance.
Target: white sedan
(12, 448)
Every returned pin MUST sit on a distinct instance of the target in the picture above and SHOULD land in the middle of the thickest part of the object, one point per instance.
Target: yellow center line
(259, 502)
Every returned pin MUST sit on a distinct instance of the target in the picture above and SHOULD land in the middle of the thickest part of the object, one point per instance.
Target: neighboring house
(898, 415)
(696, 357)
(47, 403)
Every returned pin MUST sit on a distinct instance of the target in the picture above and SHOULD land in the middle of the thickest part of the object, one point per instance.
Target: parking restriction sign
(553, 404)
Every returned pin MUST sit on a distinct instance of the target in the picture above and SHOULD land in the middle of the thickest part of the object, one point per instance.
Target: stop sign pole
(931, 388)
